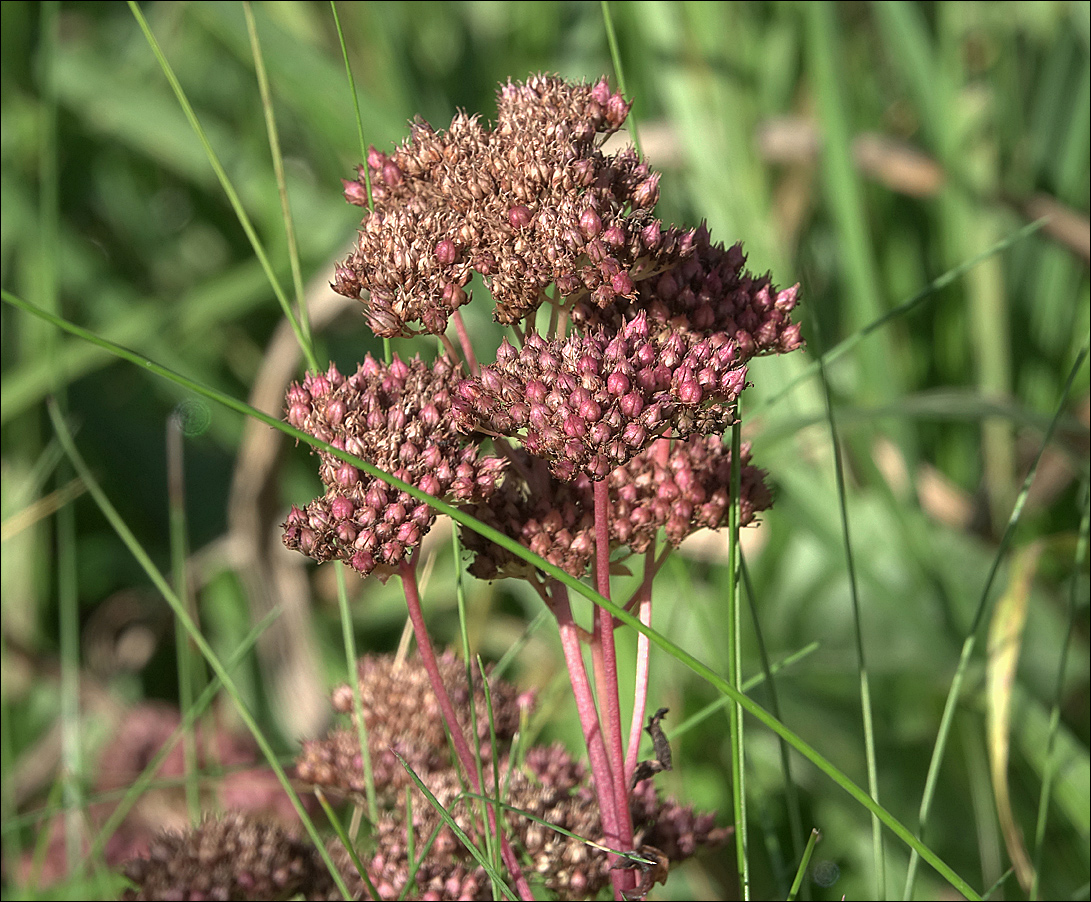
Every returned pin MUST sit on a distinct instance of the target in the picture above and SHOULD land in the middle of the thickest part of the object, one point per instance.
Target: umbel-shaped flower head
(594, 401)
(531, 202)
(398, 418)
(651, 331)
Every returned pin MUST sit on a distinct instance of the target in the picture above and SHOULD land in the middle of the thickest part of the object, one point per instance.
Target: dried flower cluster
(592, 402)
(403, 718)
(242, 857)
(236, 856)
(678, 492)
(709, 294)
(594, 437)
(247, 784)
(549, 785)
(665, 322)
(530, 203)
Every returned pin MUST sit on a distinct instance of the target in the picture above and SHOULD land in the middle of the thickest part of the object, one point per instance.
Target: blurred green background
(863, 150)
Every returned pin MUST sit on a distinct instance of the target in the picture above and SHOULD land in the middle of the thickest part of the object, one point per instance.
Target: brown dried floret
(232, 857)
(530, 203)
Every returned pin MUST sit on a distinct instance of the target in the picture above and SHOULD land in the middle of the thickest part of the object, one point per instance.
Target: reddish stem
(643, 649)
(408, 572)
(585, 708)
(604, 655)
(467, 345)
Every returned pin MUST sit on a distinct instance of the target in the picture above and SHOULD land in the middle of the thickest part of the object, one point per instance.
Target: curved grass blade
(225, 182)
(970, 643)
(480, 857)
(282, 182)
(683, 657)
(1058, 695)
(182, 616)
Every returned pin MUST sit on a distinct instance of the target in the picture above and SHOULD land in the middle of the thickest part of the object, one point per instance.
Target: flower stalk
(591, 441)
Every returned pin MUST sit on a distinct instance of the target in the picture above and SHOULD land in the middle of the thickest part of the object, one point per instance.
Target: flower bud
(341, 508)
(347, 475)
(519, 216)
(335, 412)
(622, 283)
(590, 223)
(391, 174)
(689, 392)
(446, 252)
(617, 383)
(355, 193)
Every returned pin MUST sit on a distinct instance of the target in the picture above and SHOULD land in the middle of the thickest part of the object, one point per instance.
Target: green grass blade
(160, 582)
(225, 182)
(878, 857)
(795, 813)
(482, 858)
(679, 654)
(348, 635)
(188, 676)
(734, 668)
(804, 863)
(282, 183)
(1080, 563)
(983, 606)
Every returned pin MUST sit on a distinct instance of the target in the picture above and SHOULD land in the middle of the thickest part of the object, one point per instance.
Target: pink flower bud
(634, 435)
(355, 193)
(651, 235)
(335, 412)
(590, 223)
(392, 175)
(632, 404)
(347, 475)
(647, 193)
(297, 415)
(617, 384)
(590, 410)
(613, 236)
(306, 540)
(318, 386)
(689, 392)
(341, 507)
(446, 252)
(519, 216)
(575, 426)
(622, 283)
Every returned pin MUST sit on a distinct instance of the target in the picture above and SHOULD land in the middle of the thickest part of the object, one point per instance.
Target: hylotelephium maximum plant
(591, 438)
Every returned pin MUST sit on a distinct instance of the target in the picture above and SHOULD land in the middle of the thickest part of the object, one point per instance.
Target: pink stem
(408, 572)
(592, 733)
(640, 691)
(585, 708)
(604, 655)
(464, 340)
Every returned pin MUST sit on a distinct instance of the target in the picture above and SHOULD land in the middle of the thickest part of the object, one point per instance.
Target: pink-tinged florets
(396, 417)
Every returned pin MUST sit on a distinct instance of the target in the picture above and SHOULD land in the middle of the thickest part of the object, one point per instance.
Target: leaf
(1005, 642)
